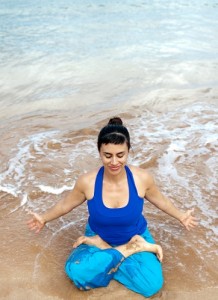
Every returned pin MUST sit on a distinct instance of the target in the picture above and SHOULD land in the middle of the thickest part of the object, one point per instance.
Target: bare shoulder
(87, 178)
(141, 174)
(86, 182)
(143, 179)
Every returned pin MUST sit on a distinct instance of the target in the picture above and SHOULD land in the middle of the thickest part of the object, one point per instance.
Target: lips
(114, 168)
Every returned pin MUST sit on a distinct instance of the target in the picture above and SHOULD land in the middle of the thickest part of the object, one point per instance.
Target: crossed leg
(135, 245)
(93, 263)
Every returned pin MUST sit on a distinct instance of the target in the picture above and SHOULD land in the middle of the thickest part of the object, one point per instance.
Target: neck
(115, 177)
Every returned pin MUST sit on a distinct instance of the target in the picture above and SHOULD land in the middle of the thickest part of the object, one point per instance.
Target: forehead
(113, 148)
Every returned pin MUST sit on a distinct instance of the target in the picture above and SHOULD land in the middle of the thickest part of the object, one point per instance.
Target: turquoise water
(65, 54)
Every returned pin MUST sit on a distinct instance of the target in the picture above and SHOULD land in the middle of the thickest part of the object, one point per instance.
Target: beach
(65, 69)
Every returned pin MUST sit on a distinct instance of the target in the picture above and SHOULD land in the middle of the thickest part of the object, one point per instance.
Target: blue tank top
(116, 226)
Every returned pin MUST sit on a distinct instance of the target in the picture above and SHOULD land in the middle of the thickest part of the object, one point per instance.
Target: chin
(115, 170)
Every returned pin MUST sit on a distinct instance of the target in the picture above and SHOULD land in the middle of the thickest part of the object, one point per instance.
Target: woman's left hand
(187, 220)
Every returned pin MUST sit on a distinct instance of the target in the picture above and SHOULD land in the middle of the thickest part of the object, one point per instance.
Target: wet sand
(66, 67)
(32, 268)
(40, 164)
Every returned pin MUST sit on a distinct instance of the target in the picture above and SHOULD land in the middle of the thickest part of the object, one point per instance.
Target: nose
(113, 160)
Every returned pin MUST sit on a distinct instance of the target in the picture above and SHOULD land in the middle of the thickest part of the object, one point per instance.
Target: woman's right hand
(36, 223)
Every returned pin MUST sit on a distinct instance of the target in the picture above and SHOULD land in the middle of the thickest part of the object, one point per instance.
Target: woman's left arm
(154, 196)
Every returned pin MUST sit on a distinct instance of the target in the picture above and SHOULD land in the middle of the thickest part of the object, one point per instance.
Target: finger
(38, 230)
(32, 226)
(190, 226)
(29, 222)
(34, 219)
(35, 225)
(187, 226)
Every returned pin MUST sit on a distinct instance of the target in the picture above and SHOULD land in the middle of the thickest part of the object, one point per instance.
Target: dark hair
(114, 133)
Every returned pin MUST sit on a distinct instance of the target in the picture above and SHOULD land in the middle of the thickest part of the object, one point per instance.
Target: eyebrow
(108, 153)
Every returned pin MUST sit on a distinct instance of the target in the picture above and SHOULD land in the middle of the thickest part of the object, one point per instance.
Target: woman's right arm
(73, 199)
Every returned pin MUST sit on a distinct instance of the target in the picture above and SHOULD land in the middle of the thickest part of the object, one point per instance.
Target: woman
(117, 243)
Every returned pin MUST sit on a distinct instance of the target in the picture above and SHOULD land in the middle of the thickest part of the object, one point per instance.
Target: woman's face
(114, 157)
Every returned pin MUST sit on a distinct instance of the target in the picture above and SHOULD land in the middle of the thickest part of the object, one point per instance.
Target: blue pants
(90, 267)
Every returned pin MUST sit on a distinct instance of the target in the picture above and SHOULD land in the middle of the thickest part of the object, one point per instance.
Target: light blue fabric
(141, 272)
(90, 267)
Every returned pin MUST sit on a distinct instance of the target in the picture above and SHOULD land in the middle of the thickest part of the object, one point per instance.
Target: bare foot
(142, 245)
(92, 240)
(138, 244)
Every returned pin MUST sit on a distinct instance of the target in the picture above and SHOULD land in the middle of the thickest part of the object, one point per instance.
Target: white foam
(13, 180)
(9, 189)
(24, 200)
(187, 155)
(177, 148)
(54, 190)
(83, 149)
(167, 160)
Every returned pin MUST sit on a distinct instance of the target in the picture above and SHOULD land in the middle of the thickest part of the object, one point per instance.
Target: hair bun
(115, 121)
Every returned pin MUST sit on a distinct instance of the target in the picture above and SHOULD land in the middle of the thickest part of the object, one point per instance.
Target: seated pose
(117, 243)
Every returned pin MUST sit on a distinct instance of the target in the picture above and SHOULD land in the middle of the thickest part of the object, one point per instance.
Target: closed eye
(119, 155)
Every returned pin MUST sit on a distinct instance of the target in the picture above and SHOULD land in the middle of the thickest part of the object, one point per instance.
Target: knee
(90, 271)
(76, 267)
(76, 274)
(153, 285)
(71, 268)
(156, 285)
(78, 270)
(150, 280)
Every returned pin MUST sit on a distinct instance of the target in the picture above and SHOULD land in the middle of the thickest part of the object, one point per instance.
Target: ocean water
(66, 67)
